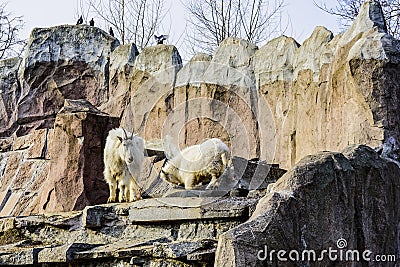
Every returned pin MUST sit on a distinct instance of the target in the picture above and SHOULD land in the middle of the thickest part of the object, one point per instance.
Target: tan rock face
(75, 177)
(122, 79)
(335, 94)
(23, 171)
(282, 101)
(210, 99)
(191, 114)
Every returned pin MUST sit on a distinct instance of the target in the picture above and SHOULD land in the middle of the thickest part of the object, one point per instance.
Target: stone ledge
(165, 230)
(192, 208)
(168, 209)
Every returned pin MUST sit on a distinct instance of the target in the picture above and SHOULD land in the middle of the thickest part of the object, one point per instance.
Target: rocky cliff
(274, 106)
(278, 103)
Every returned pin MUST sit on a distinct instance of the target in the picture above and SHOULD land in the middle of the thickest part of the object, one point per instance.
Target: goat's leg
(112, 184)
(134, 190)
(113, 191)
(213, 181)
(127, 193)
(122, 192)
(189, 182)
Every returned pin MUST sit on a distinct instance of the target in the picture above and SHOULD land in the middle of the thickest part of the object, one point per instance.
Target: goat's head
(169, 177)
(127, 153)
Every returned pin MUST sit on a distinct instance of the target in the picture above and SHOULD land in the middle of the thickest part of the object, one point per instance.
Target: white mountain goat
(123, 159)
(196, 164)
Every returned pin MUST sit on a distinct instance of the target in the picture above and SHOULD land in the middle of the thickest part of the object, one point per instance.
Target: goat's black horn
(126, 136)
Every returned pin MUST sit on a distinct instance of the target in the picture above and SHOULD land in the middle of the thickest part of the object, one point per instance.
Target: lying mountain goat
(198, 163)
(123, 158)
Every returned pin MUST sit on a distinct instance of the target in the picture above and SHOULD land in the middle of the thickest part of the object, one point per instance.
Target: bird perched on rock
(111, 32)
(80, 21)
(160, 39)
(91, 22)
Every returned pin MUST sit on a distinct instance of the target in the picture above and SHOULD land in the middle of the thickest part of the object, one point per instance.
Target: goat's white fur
(198, 163)
(123, 159)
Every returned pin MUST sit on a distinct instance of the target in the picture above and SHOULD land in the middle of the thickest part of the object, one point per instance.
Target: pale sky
(304, 16)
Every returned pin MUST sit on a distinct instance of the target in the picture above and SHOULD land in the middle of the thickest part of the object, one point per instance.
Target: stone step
(170, 209)
(161, 230)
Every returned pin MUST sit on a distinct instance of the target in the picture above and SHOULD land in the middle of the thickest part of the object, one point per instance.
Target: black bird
(111, 32)
(160, 39)
(91, 22)
(80, 21)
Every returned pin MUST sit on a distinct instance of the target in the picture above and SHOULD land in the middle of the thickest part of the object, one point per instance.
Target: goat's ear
(120, 138)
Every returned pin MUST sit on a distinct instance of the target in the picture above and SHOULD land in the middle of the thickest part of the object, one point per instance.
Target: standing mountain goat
(198, 163)
(123, 158)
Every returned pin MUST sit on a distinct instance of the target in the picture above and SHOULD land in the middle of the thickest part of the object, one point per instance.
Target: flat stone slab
(121, 249)
(168, 209)
(183, 249)
(61, 253)
(189, 208)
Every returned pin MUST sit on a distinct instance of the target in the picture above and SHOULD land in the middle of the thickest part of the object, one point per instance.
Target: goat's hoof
(135, 199)
(111, 200)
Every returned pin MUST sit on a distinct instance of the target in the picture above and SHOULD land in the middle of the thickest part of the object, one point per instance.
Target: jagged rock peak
(375, 14)
(369, 16)
(312, 54)
(274, 60)
(161, 61)
(201, 57)
(159, 57)
(234, 52)
(67, 42)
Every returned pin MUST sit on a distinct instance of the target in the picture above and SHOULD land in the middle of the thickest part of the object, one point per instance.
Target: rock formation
(351, 196)
(58, 169)
(341, 88)
(9, 94)
(275, 106)
(327, 197)
(254, 99)
(143, 232)
(63, 62)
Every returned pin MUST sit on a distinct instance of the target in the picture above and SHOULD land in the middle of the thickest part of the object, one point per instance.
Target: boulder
(350, 197)
(62, 62)
(193, 71)
(75, 177)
